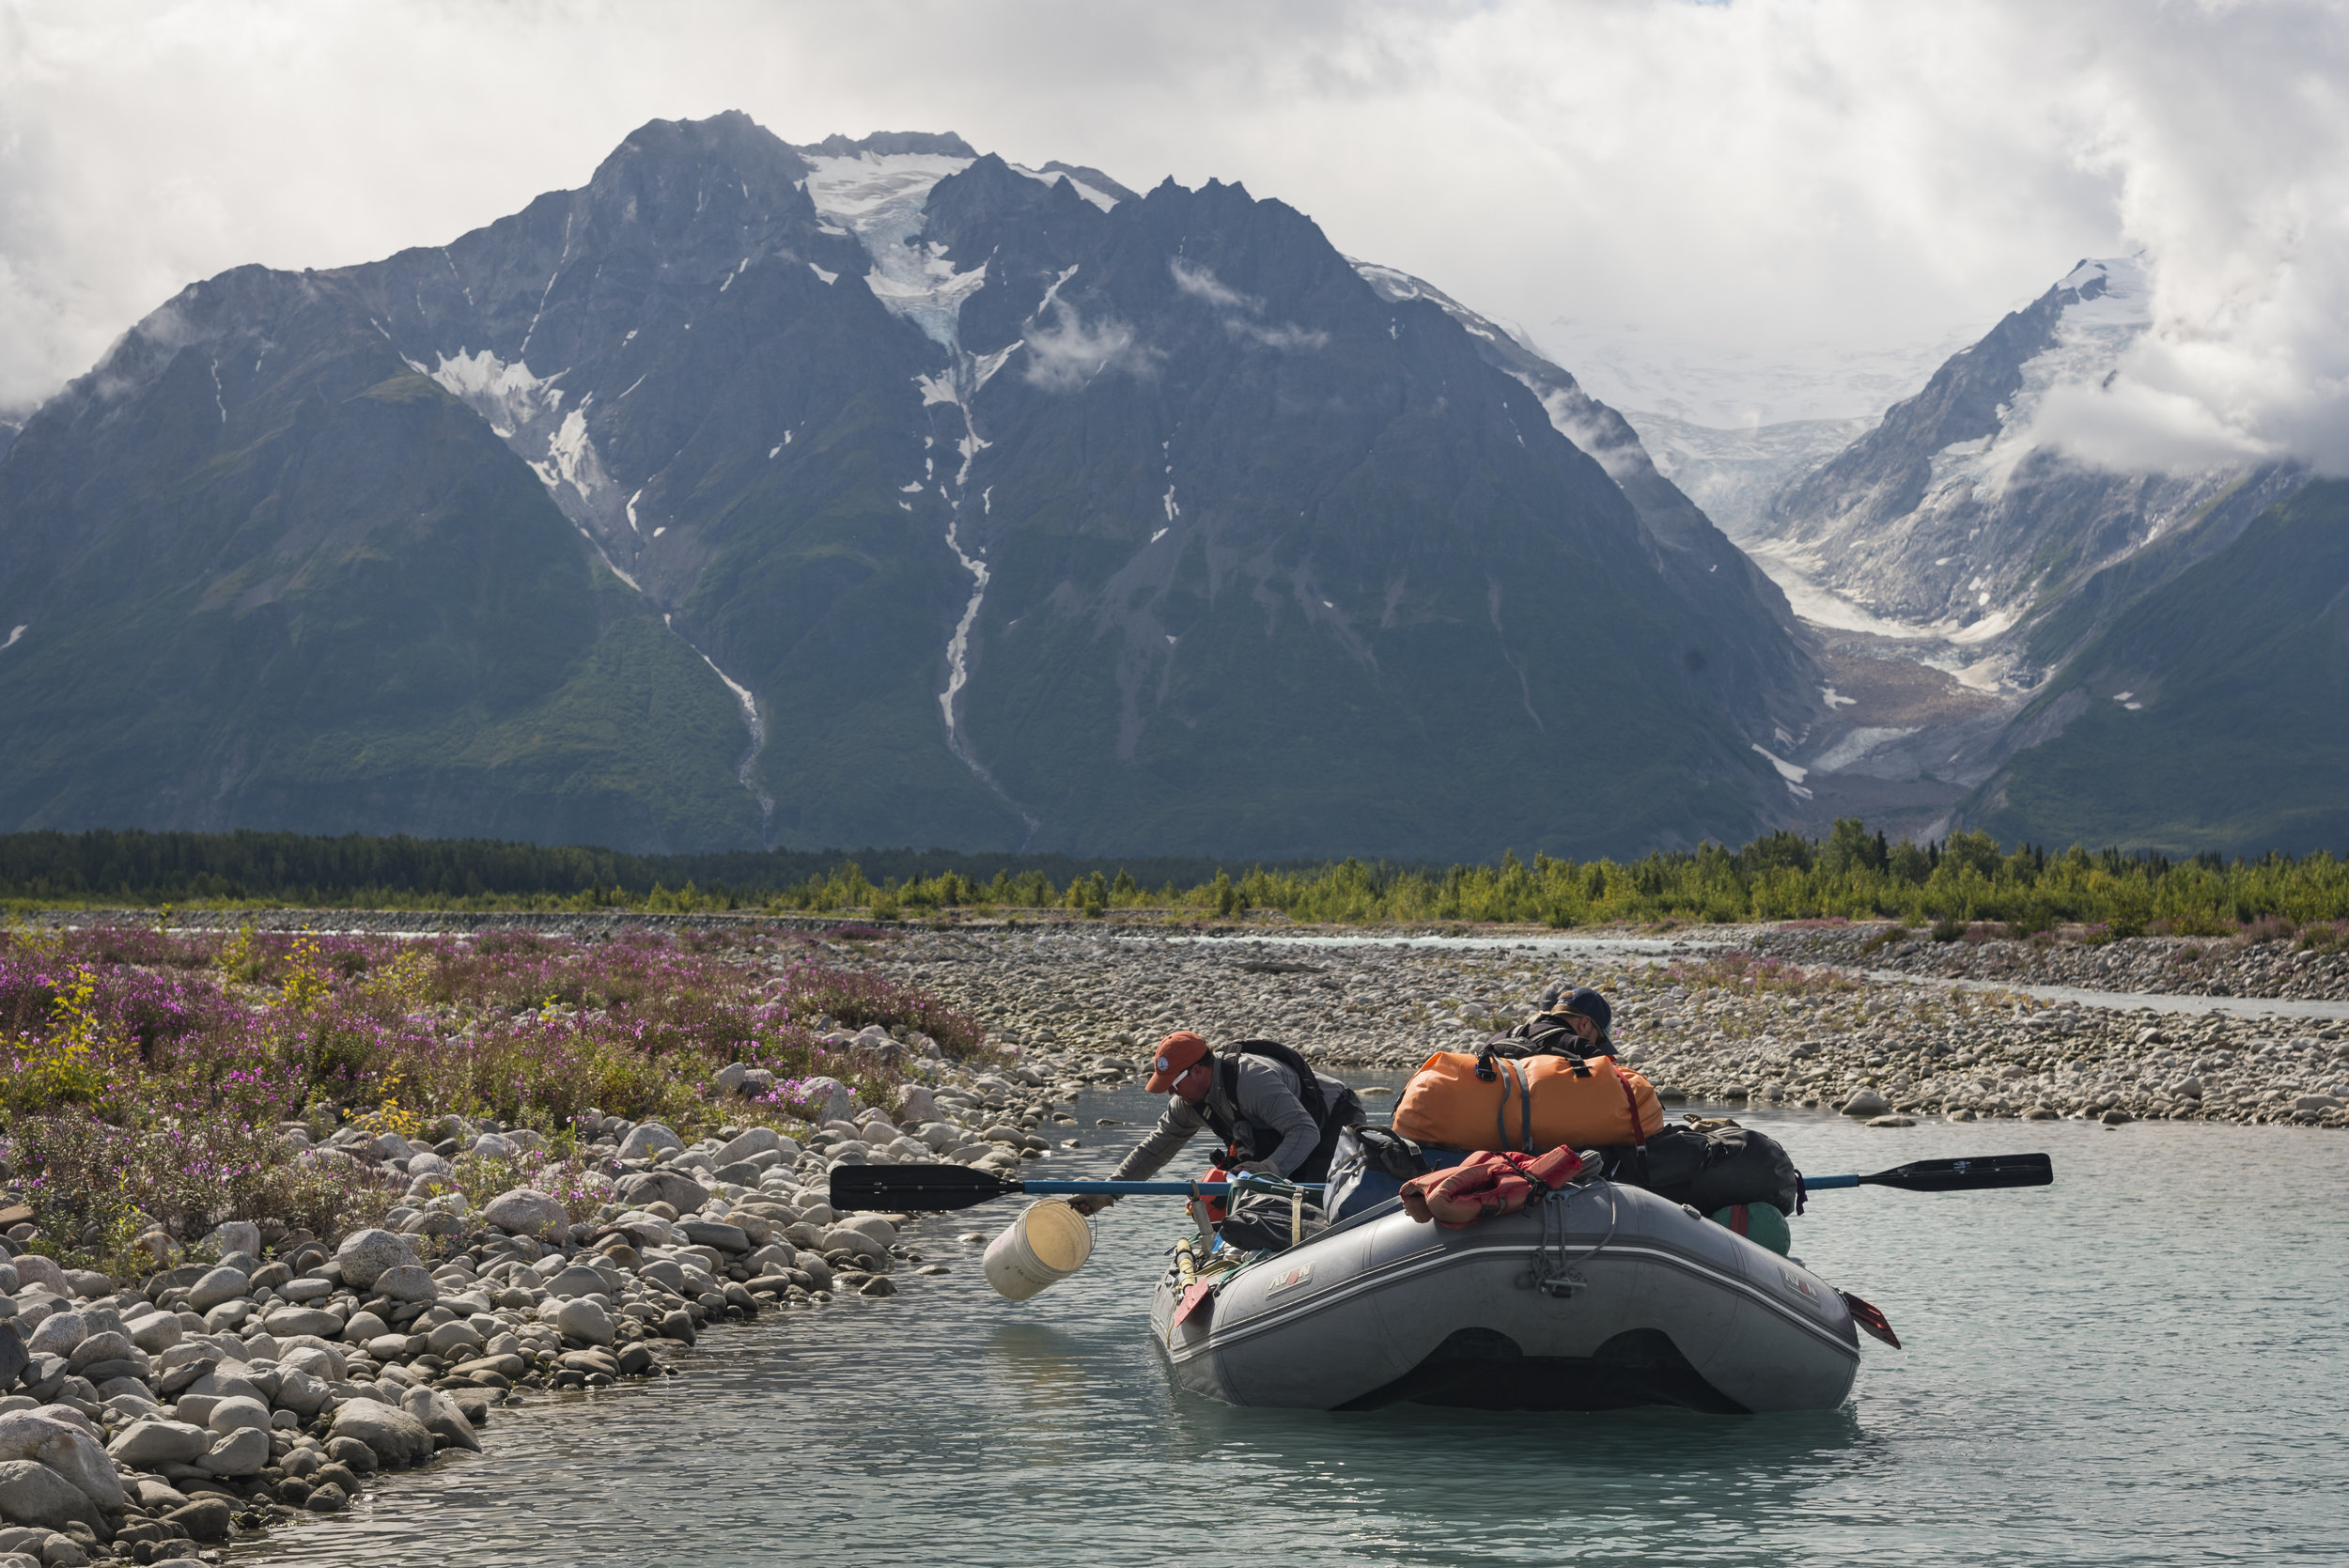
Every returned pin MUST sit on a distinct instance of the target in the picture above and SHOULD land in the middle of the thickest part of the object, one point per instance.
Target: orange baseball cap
(1177, 1054)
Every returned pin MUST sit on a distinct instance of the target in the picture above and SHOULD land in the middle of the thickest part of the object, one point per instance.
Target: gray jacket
(1265, 1114)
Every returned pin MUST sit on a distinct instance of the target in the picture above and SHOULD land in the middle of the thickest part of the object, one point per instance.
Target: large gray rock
(394, 1436)
(364, 1256)
(576, 1281)
(66, 1449)
(33, 1494)
(236, 1413)
(408, 1283)
(730, 1078)
(711, 1233)
(827, 1099)
(364, 1326)
(680, 1191)
(157, 1332)
(649, 1140)
(148, 1443)
(225, 1381)
(205, 1519)
(872, 1225)
(240, 1452)
(71, 1416)
(666, 1271)
(585, 1320)
(154, 1493)
(491, 1145)
(287, 1321)
(441, 1417)
(215, 1287)
(756, 1141)
(453, 1341)
(319, 1361)
(915, 1104)
(526, 1211)
(302, 1392)
(112, 1345)
(772, 1258)
(34, 1269)
(1866, 1102)
(58, 1333)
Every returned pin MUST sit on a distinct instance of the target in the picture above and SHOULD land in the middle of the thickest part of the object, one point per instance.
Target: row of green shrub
(1851, 873)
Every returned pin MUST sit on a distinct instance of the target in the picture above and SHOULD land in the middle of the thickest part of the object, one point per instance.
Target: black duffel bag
(1710, 1167)
(1263, 1221)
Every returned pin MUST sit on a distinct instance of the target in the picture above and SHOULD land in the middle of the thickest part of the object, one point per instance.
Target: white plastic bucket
(1048, 1243)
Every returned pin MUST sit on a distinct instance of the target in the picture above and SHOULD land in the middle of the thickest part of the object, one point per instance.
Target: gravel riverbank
(271, 1374)
(1711, 1024)
(2277, 967)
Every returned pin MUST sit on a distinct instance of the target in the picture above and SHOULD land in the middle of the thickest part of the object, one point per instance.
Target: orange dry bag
(1464, 1100)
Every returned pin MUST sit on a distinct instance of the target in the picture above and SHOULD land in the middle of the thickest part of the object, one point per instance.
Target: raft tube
(1598, 1298)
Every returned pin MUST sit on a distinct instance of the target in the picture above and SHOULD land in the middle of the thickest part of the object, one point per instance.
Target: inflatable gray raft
(1596, 1297)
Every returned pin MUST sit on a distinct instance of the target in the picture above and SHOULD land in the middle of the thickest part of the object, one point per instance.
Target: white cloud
(1781, 183)
(1200, 283)
(1067, 354)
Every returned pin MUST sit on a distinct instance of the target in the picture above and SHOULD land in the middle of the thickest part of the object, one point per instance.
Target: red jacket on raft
(1486, 1184)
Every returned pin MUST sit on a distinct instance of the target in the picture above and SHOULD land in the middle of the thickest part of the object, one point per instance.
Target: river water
(2143, 1364)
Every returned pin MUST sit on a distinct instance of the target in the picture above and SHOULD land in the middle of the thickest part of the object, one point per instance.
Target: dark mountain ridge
(868, 492)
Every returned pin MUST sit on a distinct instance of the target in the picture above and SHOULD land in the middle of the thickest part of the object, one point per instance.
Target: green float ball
(1766, 1225)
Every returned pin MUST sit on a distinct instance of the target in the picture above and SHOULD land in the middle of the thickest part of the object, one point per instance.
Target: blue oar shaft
(1820, 1184)
(1143, 1190)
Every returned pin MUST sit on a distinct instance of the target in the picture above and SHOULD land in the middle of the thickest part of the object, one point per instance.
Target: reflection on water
(2141, 1364)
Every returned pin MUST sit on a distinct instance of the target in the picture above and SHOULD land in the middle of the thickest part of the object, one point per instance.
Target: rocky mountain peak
(875, 491)
(885, 144)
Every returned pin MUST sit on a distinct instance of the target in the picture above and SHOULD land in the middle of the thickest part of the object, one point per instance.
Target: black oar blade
(915, 1186)
(1968, 1175)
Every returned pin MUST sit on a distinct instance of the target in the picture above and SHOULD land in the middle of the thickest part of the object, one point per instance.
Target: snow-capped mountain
(1954, 519)
(871, 491)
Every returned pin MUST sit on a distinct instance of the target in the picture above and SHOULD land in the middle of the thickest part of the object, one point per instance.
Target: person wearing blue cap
(1586, 1013)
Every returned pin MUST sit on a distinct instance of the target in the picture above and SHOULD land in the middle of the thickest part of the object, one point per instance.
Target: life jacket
(1220, 1118)
(1486, 1184)
(1496, 1100)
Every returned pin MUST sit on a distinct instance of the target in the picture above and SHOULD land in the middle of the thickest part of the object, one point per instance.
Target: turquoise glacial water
(2145, 1363)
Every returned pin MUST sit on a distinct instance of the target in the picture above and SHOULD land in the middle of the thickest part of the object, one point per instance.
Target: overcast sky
(1804, 191)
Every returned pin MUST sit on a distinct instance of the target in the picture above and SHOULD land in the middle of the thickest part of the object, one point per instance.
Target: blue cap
(1590, 1004)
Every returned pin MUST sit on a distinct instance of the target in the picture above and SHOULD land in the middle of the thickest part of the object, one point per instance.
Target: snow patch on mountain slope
(880, 197)
(757, 726)
(2092, 334)
(526, 411)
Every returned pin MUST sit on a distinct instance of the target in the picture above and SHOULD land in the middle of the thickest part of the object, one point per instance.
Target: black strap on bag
(1509, 1048)
(1387, 1150)
(1309, 1093)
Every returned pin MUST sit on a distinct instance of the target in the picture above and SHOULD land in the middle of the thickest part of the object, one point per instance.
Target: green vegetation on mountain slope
(2212, 714)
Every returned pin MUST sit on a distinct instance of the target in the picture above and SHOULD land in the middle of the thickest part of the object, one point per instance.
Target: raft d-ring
(1562, 1285)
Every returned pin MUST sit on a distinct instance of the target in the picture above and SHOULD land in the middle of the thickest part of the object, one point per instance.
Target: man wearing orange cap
(1266, 1104)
